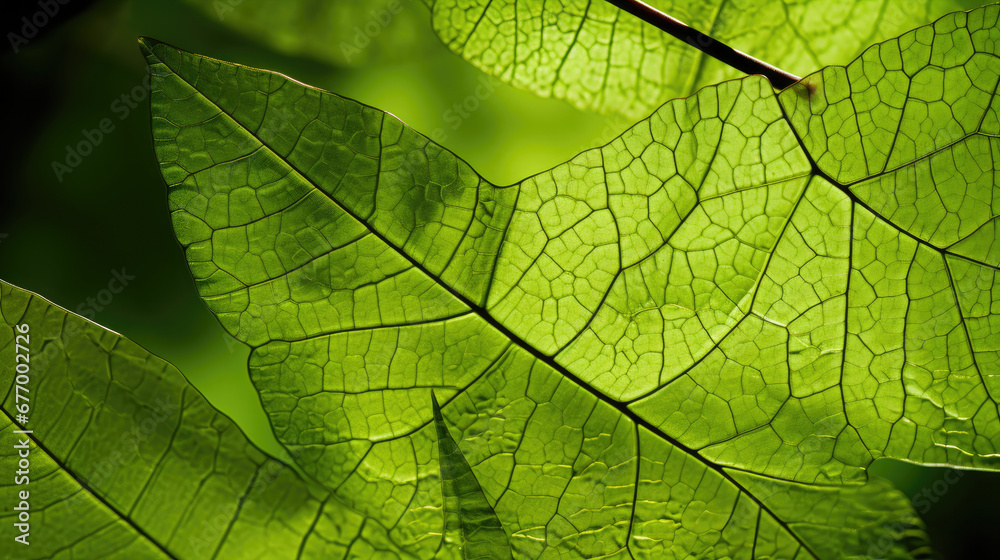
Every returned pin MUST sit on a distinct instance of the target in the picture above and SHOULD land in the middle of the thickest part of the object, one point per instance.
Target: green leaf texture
(597, 57)
(649, 350)
(128, 461)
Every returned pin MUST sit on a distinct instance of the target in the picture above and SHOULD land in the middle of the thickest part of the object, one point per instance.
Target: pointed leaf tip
(146, 46)
(466, 509)
(436, 407)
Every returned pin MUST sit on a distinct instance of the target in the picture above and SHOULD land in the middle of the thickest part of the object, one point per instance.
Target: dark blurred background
(65, 236)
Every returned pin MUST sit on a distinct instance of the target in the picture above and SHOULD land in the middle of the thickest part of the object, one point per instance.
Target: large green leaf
(598, 57)
(669, 344)
(128, 461)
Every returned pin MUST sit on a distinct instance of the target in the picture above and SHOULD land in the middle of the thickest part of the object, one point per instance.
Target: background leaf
(129, 461)
(598, 57)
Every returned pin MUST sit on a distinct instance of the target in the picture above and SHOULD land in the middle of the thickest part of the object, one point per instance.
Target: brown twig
(717, 49)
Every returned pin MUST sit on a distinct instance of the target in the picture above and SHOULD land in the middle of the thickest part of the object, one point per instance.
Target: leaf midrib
(483, 314)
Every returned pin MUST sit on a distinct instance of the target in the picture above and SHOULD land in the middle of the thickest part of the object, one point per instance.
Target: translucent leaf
(695, 338)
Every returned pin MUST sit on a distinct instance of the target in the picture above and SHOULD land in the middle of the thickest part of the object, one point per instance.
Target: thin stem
(724, 53)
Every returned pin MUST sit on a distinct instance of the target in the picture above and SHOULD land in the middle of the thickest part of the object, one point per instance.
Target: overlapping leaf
(681, 342)
(465, 506)
(598, 57)
(128, 461)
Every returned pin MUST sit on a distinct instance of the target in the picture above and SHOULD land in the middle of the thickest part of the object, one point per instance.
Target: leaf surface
(598, 57)
(643, 351)
(128, 461)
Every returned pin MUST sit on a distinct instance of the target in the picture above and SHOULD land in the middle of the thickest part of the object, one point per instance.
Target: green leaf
(128, 461)
(465, 505)
(741, 287)
(599, 58)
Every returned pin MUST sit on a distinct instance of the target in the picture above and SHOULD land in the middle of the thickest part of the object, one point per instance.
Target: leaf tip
(436, 407)
(146, 46)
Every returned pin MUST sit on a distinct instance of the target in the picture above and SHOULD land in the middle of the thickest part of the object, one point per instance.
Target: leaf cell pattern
(644, 352)
(128, 461)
